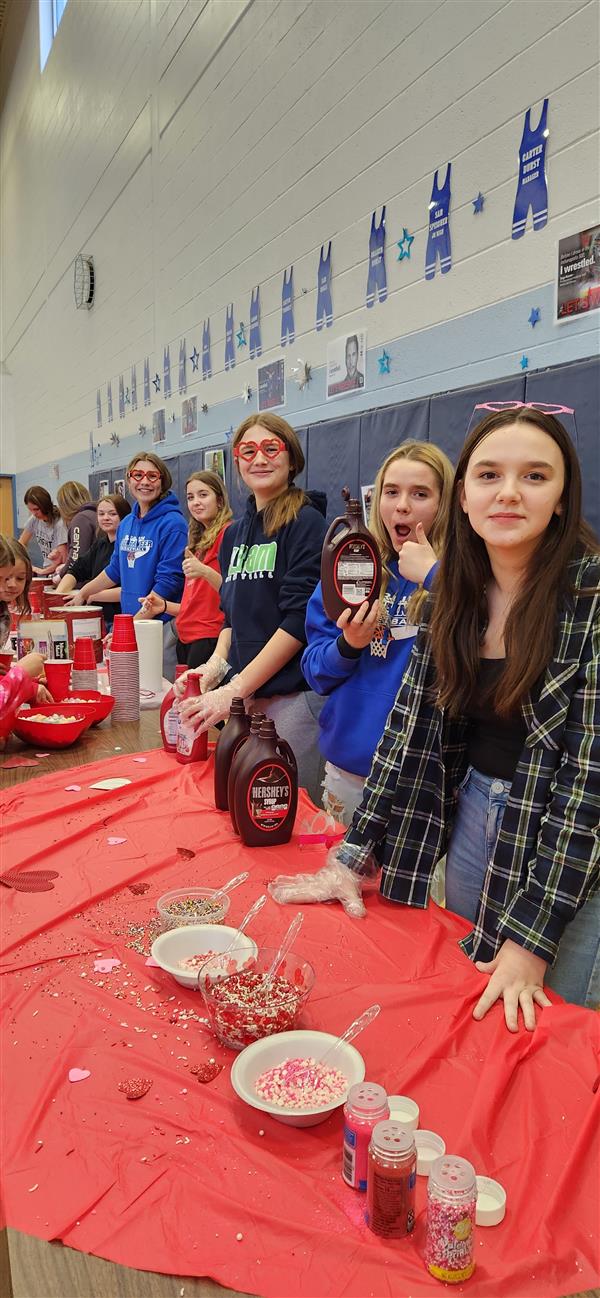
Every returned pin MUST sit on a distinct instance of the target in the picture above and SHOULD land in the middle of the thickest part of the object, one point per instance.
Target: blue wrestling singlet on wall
(133, 387)
(229, 348)
(438, 239)
(182, 366)
(287, 308)
(121, 397)
(255, 338)
(109, 409)
(532, 189)
(324, 304)
(147, 381)
(376, 278)
(166, 372)
(206, 361)
(98, 409)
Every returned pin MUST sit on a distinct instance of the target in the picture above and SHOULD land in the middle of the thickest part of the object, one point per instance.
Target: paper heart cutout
(29, 880)
(110, 784)
(152, 963)
(106, 966)
(42, 754)
(79, 1074)
(114, 842)
(72, 788)
(140, 759)
(14, 763)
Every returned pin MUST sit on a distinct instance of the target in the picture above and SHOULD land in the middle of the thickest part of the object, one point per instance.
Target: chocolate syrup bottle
(256, 721)
(266, 790)
(350, 563)
(236, 730)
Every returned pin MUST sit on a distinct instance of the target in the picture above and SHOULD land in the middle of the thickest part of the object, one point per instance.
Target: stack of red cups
(84, 675)
(124, 669)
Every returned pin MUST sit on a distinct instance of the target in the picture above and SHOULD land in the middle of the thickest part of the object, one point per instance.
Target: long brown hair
(460, 609)
(285, 507)
(421, 453)
(200, 538)
(42, 498)
(12, 552)
(119, 503)
(166, 481)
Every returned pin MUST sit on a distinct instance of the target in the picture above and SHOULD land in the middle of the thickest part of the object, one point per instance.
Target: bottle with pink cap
(366, 1105)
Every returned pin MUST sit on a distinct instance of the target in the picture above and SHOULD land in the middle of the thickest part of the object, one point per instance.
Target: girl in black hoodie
(270, 564)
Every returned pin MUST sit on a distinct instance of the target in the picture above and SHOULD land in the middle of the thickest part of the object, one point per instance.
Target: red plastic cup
(58, 676)
(6, 661)
(123, 634)
(84, 658)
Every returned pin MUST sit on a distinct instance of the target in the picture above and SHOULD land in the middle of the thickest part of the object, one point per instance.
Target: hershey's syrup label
(354, 570)
(269, 796)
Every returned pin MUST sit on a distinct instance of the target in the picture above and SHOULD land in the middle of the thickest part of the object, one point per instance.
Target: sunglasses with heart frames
(138, 475)
(270, 447)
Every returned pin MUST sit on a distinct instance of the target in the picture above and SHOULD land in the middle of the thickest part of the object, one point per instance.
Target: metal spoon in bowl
(287, 942)
(357, 1026)
(258, 905)
(233, 883)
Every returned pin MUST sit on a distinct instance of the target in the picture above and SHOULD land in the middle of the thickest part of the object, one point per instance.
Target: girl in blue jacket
(360, 663)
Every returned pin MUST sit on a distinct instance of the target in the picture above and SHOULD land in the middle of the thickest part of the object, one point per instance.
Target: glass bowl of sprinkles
(244, 1007)
(181, 952)
(283, 1076)
(192, 906)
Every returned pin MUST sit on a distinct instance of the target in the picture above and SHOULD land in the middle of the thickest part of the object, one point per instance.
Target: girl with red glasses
(270, 563)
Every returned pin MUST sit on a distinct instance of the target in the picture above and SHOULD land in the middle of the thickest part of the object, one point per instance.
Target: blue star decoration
(478, 203)
(241, 335)
(384, 361)
(534, 316)
(156, 382)
(524, 362)
(195, 357)
(404, 245)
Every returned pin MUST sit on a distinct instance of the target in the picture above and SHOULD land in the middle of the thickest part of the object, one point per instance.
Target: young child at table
(492, 750)
(18, 684)
(198, 618)
(359, 663)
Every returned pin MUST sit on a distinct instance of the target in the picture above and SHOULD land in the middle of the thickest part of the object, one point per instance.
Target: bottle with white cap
(451, 1199)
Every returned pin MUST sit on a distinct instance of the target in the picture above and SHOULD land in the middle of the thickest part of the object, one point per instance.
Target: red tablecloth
(168, 1181)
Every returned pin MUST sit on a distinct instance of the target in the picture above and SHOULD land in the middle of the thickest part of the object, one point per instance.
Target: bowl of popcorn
(248, 1005)
(48, 727)
(185, 906)
(102, 704)
(182, 952)
(284, 1077)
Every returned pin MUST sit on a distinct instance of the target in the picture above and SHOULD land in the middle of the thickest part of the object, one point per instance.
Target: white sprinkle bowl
(181, 943)
(252, 1062)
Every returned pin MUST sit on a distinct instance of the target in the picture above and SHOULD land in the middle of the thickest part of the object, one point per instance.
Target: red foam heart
(206, 1072)
(136, 1087)
(29, 880)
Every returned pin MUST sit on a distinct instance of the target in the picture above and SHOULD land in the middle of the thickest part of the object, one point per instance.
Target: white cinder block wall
(196, 148)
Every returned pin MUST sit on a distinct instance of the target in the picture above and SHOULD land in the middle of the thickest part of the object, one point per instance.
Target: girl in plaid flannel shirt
(518, 586)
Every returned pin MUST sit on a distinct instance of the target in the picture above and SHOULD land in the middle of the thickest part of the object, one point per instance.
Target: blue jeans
(575, 974)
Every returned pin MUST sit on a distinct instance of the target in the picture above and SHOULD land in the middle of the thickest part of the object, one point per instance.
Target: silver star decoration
(204, 408)
(172, 417)
(115, 439)
(246, 393)
(302, 373)
(142, 430)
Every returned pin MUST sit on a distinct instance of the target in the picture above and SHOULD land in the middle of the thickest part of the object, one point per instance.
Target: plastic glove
(335, 882)
(211, 707)
(210, 673)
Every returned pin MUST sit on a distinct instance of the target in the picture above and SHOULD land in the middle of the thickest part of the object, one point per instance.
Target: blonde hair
(285, 507)
(200, 538)
(438, 462)
(71, 497)
(11, 553)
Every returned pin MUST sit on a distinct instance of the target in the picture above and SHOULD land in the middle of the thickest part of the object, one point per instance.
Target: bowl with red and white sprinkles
(284, 1076)
(182, 952)
(248, 1005)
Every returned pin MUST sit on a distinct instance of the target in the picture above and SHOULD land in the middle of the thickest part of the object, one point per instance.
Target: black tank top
(494, 744)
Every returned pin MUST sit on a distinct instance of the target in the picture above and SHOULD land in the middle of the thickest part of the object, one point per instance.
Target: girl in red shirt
(198, 619)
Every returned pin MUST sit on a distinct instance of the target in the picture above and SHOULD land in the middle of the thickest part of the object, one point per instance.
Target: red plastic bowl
(75, 711)
(104, 703)
(42, 734)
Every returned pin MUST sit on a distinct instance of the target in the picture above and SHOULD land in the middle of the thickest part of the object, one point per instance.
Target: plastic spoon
(258, 905)
(288, 941)
(357, 1026)
(233, 883)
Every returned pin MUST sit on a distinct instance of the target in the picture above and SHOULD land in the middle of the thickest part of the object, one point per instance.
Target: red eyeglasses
(271, 447)
(138, 475)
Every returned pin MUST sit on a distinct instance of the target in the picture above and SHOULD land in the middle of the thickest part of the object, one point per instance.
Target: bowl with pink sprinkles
(182, 952)
(282, 1076)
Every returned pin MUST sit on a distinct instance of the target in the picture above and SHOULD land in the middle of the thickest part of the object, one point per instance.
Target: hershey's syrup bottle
(266, 790)
(350, 562)
(233, 733)
(256, 721)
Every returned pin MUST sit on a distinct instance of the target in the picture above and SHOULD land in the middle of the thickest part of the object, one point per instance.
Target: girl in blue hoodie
(359, 663)
(150, 542)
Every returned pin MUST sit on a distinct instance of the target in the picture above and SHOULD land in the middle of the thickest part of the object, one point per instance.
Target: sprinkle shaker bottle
(391, 1180)
(367, 1104)
(451, 1199)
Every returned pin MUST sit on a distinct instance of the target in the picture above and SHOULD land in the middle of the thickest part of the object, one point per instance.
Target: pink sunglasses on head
(495, 407)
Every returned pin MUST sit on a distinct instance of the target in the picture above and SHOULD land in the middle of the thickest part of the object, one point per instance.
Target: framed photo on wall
(346, 364)
(103, 487)
(189, 416)
(214, 462)
(119, 487)
(578, 275)
(158, 426)
(270, 385)
(367, 496)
